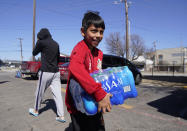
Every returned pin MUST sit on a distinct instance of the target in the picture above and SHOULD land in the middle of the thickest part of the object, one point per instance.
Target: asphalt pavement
(160, 106)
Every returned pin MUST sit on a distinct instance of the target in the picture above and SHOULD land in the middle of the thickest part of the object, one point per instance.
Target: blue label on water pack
(118, 81)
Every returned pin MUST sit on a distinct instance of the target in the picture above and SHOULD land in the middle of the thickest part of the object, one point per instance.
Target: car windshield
(64, 59)
(65, 64)
(130, 64)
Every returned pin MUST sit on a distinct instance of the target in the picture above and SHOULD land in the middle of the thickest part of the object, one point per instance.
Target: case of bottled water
(118, 81)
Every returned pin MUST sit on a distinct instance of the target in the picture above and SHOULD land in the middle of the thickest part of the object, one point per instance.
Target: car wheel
(38, 74)
(34, 76)
(138, 79)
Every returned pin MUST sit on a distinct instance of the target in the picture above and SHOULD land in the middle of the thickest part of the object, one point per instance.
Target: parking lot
(160, 106)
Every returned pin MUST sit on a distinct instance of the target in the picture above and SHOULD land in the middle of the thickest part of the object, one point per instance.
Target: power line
(9, 5)
(13, 51)
(74, 5)
(83, 3)
(61, 13)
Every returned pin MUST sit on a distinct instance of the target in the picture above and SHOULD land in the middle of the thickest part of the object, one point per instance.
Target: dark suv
(114, 61)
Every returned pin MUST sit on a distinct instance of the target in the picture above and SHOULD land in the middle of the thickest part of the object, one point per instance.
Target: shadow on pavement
(50, 104)
(174, 104)
(178, 79)
(70, 128)
(1, 82)
(64, 81)
(29, 78)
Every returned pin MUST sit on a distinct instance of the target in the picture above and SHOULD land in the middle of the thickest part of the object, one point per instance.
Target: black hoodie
(49, 51)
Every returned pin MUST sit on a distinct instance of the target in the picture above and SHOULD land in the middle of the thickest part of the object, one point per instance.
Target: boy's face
(93, 35)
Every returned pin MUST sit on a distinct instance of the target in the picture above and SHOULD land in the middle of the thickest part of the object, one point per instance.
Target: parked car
(33, 67)
(109, 61)
(63, 68)
(115, 61)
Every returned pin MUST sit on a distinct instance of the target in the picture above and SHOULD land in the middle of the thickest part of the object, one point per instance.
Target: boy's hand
(104, 105)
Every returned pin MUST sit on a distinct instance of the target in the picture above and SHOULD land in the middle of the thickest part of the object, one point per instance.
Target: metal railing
(164, 70)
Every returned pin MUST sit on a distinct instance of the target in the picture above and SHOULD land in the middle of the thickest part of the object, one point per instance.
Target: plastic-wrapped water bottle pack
(118, 81)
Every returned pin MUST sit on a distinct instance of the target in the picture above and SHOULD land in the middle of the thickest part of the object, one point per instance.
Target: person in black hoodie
(49, 75)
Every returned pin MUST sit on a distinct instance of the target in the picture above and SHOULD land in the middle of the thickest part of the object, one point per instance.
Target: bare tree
(114, 44)
(149, 53)
(137, 47)
(117, 47)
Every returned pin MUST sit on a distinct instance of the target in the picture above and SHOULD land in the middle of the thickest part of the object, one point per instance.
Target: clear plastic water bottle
(118, 81)
(115, 88)
(129, 84)
(95, 76)
(104, 81)
(90, 104)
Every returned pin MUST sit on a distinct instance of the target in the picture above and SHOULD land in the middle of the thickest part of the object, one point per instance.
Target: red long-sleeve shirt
(82, 63)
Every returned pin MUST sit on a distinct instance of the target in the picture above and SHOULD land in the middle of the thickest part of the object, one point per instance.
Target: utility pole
(154, 44)
(127, 25)
(155, 58)
(20, 39)
(127, 30)
(33, 34)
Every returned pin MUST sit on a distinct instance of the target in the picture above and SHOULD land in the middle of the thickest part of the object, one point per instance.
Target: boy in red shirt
(86, 58)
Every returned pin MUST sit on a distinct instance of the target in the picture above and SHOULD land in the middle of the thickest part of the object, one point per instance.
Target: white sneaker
(60, 119)
(32, 112)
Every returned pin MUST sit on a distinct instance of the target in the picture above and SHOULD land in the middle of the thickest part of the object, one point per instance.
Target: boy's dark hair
(90, 18)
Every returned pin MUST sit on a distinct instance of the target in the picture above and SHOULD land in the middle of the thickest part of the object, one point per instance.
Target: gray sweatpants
(52, 80)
